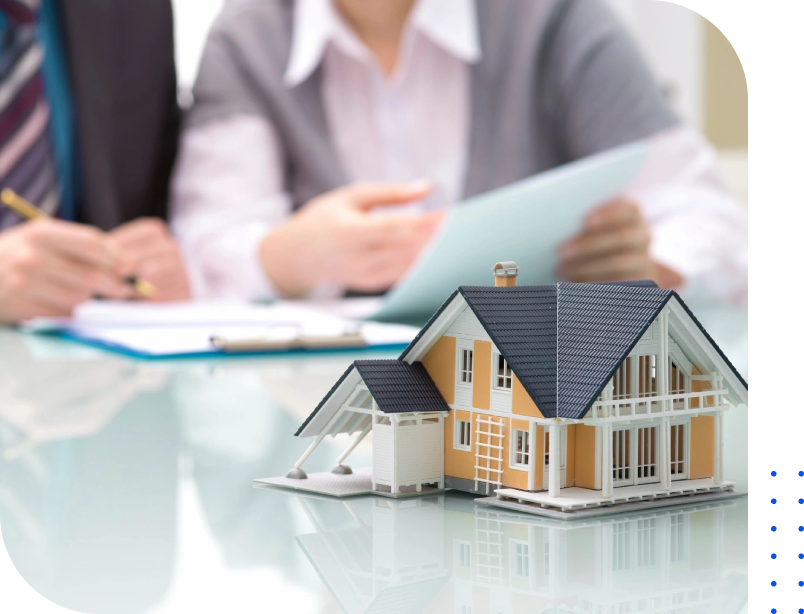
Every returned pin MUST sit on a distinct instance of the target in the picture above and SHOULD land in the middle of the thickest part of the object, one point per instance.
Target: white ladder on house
(489, 566)
(488, 452)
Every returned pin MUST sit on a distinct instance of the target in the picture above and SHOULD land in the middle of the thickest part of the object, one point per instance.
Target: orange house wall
(584, 456)
(521, 403)
(440, 364)
(481, 376)
(461, 463)
(702, 447)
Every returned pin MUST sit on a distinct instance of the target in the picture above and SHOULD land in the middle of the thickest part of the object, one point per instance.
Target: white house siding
(430, 451)
(407, 454)
(467, 326)
(383, 452)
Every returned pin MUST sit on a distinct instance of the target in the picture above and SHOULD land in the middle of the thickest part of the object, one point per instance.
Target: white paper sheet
(173, 329)
(523, 222)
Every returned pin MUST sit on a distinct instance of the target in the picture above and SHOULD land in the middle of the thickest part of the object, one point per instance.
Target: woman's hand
(339, 238)
(613, 246)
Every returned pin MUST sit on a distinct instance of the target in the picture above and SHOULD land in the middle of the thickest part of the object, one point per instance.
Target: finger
(158, 271)
(158, 250)
(32, 307)
(369, 195)
(382, 268)
(81, 279)
(634, 237)
(617, 267)
(139, 233)
(615, 213)
(79, 242)
(57, 297)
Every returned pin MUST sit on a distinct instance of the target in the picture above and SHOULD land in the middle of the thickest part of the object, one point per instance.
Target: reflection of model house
(668, 560)
(441, 554)
(392, 561)
(564, 397)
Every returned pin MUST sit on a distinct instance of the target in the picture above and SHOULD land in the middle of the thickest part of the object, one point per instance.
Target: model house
(549, 398)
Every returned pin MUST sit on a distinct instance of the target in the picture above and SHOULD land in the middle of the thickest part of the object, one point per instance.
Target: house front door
(548, 457)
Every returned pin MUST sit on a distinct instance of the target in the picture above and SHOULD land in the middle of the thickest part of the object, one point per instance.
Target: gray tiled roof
(564, 341)
(521, 322)
(598, 326)
(400, 387)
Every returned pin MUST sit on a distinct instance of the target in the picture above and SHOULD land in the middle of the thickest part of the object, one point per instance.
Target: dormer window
(503, 376)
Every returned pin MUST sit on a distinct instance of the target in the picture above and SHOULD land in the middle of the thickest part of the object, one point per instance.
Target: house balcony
(574, 498)
(659, 405)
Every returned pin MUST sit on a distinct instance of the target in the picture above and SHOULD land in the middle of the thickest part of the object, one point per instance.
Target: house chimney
(505, 273)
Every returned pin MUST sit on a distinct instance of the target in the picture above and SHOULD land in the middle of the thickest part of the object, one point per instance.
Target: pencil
(29, 211)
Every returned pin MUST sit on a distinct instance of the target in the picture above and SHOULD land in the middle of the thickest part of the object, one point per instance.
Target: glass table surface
(126, 486)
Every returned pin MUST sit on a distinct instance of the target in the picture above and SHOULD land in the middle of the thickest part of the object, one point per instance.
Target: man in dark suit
(88, 132)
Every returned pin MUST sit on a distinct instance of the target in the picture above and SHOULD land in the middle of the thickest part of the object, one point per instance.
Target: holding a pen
(49, 266)
(90, 147)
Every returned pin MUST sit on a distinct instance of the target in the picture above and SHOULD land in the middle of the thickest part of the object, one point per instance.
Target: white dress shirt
(229, 191)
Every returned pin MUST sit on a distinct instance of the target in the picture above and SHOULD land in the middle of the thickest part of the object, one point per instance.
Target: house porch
(574, 498)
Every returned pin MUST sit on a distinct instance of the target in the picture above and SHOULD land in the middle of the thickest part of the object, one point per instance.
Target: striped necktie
(27, 163)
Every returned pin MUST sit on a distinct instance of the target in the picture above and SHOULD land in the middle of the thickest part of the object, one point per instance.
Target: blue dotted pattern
(800, 529)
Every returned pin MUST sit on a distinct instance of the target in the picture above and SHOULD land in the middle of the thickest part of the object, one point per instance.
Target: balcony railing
(655, 405)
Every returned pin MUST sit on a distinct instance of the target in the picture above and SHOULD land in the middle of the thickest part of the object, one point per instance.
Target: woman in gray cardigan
(312, 116)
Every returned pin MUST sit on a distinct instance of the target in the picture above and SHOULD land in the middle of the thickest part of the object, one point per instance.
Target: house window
(503, 376)
(521, 562)
(646, 542)
(646, 454)
(464, 554)
(679, 537)
(634, 455)
(679, 433)
(463, 435)
(466, 360)
(678, 379)
(621, 546)
(621, 457)
(520, 450)
(647, 376)
(622, 381)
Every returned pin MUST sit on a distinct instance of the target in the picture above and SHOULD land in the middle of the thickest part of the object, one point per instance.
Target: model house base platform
(339, 485)
(636, 504)
(558, 399)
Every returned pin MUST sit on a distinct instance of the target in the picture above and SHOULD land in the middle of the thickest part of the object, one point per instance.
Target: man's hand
(338, 238)
(155, 256)
(613, 246)
(47, 267)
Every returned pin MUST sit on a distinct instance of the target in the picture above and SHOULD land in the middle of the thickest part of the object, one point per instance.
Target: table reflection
(126, 487)
(446, 554)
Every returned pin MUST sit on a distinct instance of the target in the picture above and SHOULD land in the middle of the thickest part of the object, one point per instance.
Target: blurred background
(702, 78)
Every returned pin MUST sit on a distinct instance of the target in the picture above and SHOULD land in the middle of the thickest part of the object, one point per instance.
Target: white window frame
(652, 449)
(463, 547)
(684, 447)
(672, 386)
(508, 374)
(679, 538)
(456, 443)
(461, 372)
(635, 436)
(515, 451)
(520, 558)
